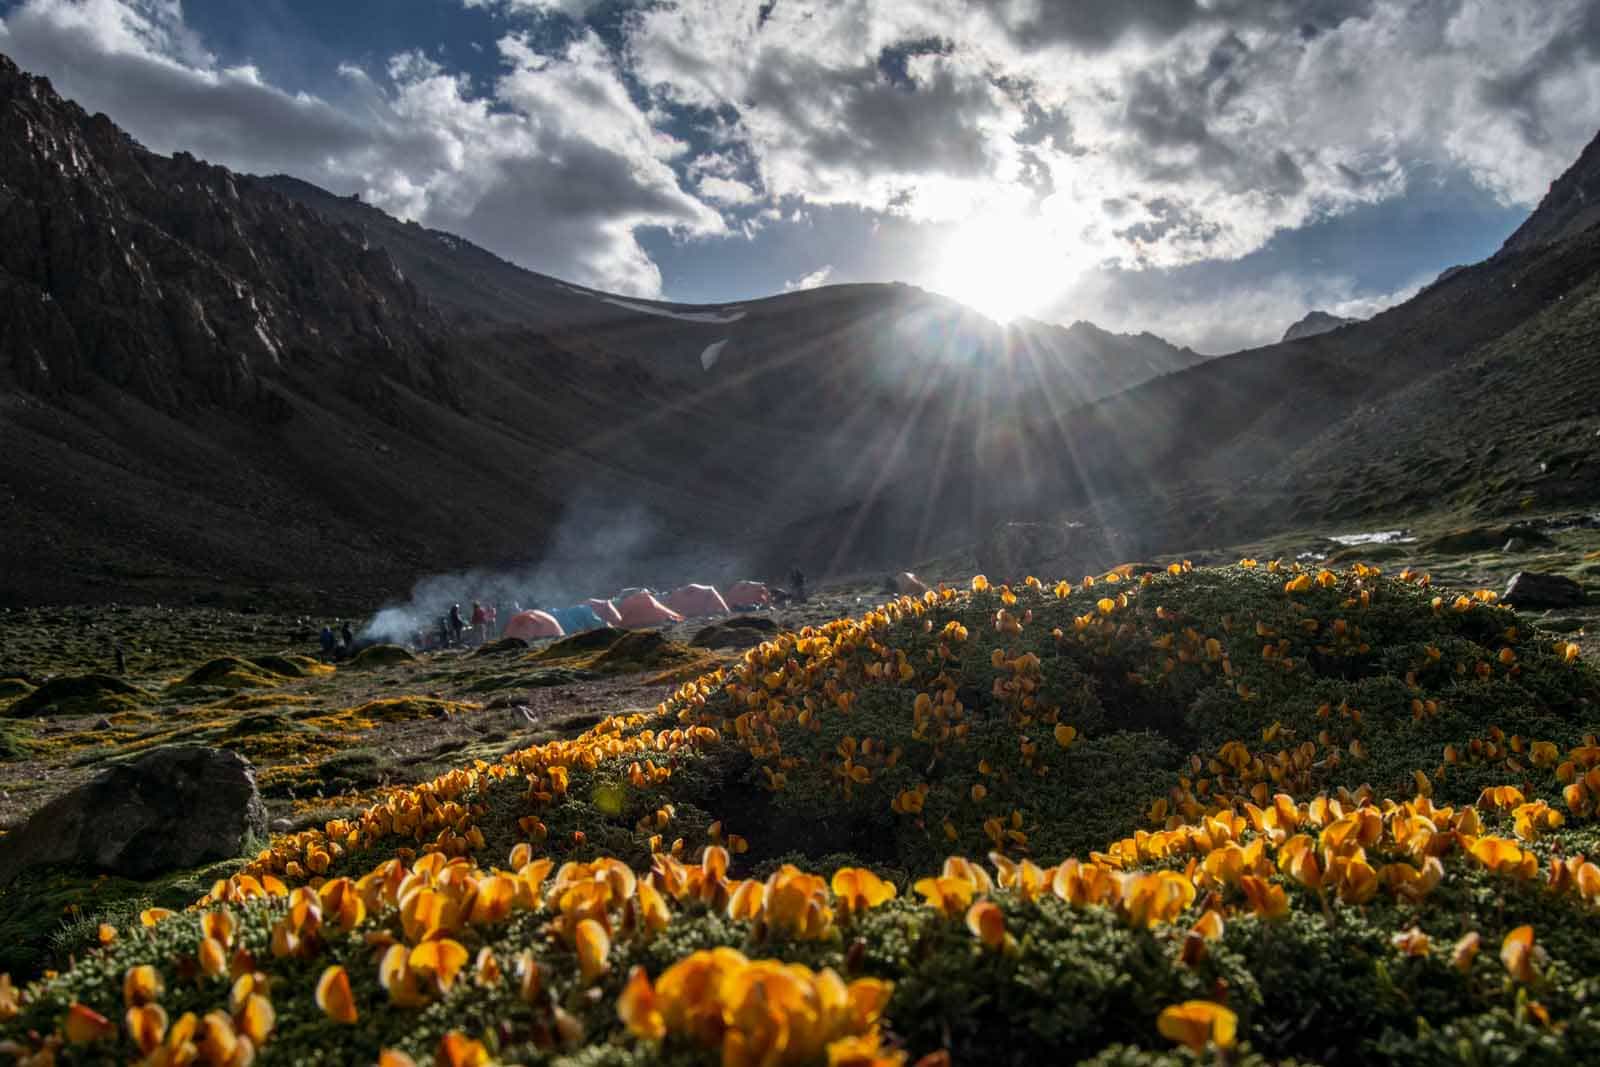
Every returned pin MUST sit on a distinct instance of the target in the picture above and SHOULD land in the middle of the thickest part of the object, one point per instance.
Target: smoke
(599, 546)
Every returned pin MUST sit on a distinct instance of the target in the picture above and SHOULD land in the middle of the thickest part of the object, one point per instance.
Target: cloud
(816, 278)
(1209, 126)
(556, 167)
(1218, 319)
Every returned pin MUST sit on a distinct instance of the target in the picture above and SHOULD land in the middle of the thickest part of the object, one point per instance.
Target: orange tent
(696, 601)
(607, 611)
(533, 625)
(641, 610)
(747, 595)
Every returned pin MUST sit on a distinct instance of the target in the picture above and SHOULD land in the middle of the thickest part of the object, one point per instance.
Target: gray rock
(1530, 589)
(1047, 550)
(1563, 624)
(168, 810)
(282, 826)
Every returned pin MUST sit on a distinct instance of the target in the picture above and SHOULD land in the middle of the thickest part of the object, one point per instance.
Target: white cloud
(1142, 134)
(556, 167)
(816, 278)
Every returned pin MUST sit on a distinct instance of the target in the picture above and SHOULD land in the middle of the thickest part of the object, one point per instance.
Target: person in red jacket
(480, 621)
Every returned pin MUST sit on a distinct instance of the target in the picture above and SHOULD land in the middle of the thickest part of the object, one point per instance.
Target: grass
(1188, 738)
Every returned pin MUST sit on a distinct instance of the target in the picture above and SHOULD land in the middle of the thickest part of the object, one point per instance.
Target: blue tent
(578, 618)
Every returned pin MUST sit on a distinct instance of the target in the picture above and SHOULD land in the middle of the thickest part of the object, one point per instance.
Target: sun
(1004, 266)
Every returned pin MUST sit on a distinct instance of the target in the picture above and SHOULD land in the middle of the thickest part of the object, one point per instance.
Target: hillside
(214, 390)
(1251, 814)
(1363, 420)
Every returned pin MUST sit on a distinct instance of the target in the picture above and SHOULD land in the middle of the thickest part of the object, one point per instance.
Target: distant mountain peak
(1571, 206)
(1314, 323)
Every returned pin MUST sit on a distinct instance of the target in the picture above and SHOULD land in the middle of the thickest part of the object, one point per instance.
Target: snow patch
(1382, 537)
(713, 352)
(682, 316)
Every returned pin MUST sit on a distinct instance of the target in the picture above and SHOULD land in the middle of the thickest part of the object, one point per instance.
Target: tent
(747, 595)
(607, 612)
(533, 625)
(578, 618)
(696, 601)
(908, 584)
(641, 610)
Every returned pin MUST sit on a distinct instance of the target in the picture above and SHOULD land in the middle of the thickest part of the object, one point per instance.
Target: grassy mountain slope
(1284, 816)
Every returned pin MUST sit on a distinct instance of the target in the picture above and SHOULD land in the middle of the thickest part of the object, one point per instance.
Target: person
(797, 585)
(480, 622)
(348, 637)
(122, 659)
(457, 624)
(444, 631)
(327, 641)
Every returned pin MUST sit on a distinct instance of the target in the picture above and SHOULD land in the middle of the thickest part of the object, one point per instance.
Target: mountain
(1314, 323)
(1476, 394)
(250, 389)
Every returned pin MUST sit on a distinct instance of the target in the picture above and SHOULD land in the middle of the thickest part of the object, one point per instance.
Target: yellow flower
(987, 923)
(637, 1007)
(594, 945)
(1267, 899)
(1196, 1023)
(334, 996)
(949, 895)
(10, 1001)
(980, 584)
(1065, 734)
(859, 889)
(1465, 950)
(146, 1025)
(141, 985)
(440, 960)
(458, 1050)
(1412, 942)
(1516, 952)
(85, 1025)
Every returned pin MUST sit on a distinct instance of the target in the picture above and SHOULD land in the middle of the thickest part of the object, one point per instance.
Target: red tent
(641, 610)
(747, 595)
(533, 625)
(696, 601)
(607, 611)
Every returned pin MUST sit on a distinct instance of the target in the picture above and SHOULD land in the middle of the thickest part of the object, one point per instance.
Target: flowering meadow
(1249, 814)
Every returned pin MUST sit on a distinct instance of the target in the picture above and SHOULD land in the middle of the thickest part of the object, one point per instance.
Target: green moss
(380, 656)
(229, 672)
(87, 694)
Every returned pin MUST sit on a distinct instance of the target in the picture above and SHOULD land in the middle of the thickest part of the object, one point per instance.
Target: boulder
(1530, 589)
(171, 809)
(1047, 550)
(741, 631)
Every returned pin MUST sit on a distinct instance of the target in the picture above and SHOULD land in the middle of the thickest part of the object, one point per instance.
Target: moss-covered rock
(380, 656)
(86, 694)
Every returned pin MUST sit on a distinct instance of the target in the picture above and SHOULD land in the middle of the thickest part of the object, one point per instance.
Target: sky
(1208, 170)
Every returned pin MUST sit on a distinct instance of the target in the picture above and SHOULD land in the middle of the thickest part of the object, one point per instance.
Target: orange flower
(949, 895)
(140, 985)
(637, 1007)
(1196, 1023)
(858, 889)
(594, 945)
(987, 923)
(1516, 952)
(1412, 942)
(458, 1050)
(84, 1025)
(334, 996)
(147, 1025)
(1465, 951)
(441, 960)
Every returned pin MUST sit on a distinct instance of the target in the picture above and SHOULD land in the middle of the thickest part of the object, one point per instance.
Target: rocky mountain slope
(1481, 385)
(246, 388)
(1315, 322)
